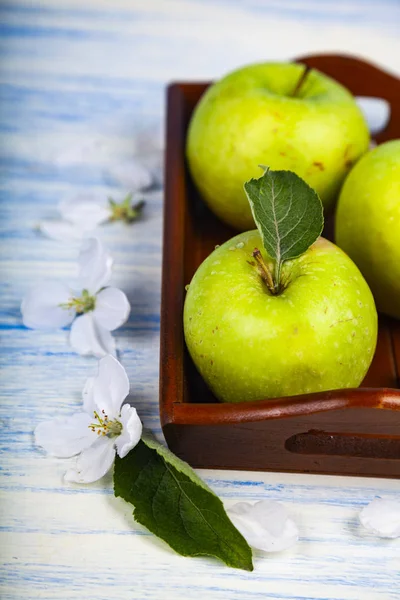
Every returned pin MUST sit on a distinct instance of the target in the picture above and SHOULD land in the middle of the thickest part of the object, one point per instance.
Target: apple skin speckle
(268, 346)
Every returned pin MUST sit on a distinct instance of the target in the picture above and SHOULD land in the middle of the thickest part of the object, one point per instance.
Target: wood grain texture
(71, 71)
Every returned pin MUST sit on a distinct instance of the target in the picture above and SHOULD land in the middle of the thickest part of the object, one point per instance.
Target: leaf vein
(198, 510)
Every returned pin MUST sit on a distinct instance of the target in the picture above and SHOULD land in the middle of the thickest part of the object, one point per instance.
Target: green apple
(368, 223)
(265, 114)
(296, 320)
(319, 334)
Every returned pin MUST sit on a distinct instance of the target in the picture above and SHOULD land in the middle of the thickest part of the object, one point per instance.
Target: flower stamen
(105, 426)
(82, 304)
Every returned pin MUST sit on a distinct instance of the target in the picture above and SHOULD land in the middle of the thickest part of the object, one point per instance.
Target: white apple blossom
(94, 310)
(104, 428)
(137, 169)
(382, 517)
(81, 214)
(265, 525)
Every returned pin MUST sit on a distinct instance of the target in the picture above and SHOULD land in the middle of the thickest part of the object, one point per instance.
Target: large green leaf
(177, 506)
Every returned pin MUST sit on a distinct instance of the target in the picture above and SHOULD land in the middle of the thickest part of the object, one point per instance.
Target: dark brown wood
(340, 432)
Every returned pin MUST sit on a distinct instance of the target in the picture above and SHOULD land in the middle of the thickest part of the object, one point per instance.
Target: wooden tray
(354, 431)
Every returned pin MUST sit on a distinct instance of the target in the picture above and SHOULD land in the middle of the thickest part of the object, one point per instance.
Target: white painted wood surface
(72, 72)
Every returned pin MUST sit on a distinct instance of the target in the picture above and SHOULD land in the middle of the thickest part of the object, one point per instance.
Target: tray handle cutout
(344, 444)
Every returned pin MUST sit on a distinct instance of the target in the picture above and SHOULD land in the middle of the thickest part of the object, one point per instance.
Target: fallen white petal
(95, 265)
(130, 174)
(112, 308)
(131, 432)
(382, 517)
(150, 139)
(41, 306)
(376, 112)
(89, 338)
(61, 231)
(265, 525)
(87, 211)
(154, 163)
(93, 463)
(90, 149)
(110, 386)
(65, 436)
(149, 144)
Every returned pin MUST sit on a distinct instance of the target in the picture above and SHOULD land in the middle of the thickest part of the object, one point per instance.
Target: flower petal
(382, 517)
(41, 306)
(131, 432)
(86, 211)
(110, 386)
(95, 265)
(89, 405)
(65, 436)
(87, 337)
(91, 149)
(265, 525)
(112, 308)
(154, 163)
(149, 144)
(93, 463)
(61, 231)
(376, 112)
(130, 174)
(150, 139)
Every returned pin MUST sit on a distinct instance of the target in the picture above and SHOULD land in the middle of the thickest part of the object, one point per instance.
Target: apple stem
(264, 271)
(302, 79)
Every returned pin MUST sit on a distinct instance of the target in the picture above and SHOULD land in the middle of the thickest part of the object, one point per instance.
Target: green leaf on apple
(177, 506)
(288, 214)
